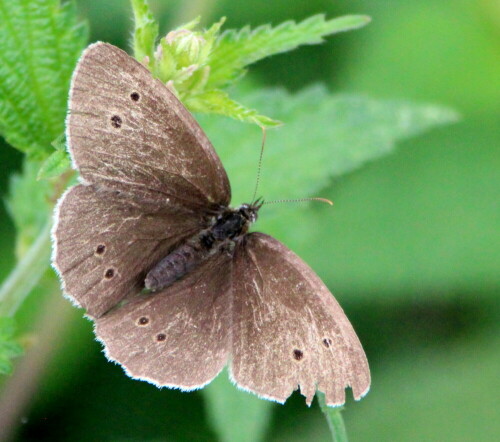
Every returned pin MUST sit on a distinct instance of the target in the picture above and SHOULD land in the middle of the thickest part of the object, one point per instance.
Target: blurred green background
(411, 249)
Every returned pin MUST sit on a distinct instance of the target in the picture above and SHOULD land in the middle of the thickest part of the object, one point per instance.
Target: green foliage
(40, 42)
(56, 164)
(237, 49)
(196, 64)
(29, 205)
(442, 393)
(145, 32)
(325, 135)
(219, 102)
(235, 414)
(9, 348)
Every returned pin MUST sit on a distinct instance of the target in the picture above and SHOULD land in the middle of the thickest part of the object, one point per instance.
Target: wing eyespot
(142, 321)
(327, 342)
(100, 249)
(160, 337)
(109, 273)
(116, 121)
(298, 354)
(134, 96)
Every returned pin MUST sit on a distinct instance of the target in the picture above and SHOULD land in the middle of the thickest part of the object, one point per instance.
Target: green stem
(334, 418)
(26, 274)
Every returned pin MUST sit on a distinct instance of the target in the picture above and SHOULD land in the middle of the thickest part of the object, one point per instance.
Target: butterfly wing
(150, 179)
(178, 337)
(288, 329)
(105, 242)
(126, 131)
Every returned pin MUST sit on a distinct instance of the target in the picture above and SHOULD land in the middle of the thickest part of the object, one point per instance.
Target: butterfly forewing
(178, 337)
(104, 242)
(127, 131)
(288, 330)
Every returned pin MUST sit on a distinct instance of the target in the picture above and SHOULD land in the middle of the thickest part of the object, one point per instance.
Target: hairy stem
(334, 418)
(26, 274)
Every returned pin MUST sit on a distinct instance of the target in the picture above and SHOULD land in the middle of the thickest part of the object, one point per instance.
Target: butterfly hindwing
(288, 329)
(105, 242)
(178, 337)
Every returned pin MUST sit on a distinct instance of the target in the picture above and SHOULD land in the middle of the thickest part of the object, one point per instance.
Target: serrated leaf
(29, 204)
(237, 49)
(218, 102)
(40, 42)
(56, 164)
(324, 136)
(145, 32)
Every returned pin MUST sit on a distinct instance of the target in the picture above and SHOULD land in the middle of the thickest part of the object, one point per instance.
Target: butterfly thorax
(228, 227)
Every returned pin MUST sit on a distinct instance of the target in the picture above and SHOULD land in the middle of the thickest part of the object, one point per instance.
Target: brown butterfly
(177, 288)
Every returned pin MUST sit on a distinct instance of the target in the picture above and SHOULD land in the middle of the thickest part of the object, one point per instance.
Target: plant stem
(334, 418)
(26, 274)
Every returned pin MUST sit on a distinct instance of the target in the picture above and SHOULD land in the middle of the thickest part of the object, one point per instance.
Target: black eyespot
(135, 96)
(116, 121)
(100, 249)
(143, 321)
(109, 273)
(161, 337)
(327, 342)
(298, 354)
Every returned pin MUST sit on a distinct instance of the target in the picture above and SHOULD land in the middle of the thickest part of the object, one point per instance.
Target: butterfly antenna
(260, 163)
(300, 200)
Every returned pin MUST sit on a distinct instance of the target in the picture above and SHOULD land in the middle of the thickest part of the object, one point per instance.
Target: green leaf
(145, 32)
(9, 349)
(342, 133)
(420, 225)
(218, 102)
(40, 42)
(438, 383)
(236, 415)
(29, 203)
(237, 49)
(56, 164)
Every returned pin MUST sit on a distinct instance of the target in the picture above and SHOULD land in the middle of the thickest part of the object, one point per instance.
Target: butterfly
(176, 285)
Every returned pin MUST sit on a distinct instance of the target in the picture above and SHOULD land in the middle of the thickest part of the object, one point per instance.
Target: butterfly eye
(116, 121)
(135, 96)
(298, 354)
(327, 342)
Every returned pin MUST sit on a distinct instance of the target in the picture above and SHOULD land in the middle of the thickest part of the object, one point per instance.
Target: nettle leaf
(56, 164)
(197, 64)
(29, 204)
(9, 348)
(145, 32)
(324, 136)
(236, 49)
(219, 102)
(40, 42)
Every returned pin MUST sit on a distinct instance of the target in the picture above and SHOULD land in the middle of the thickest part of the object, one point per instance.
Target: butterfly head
(250, 211)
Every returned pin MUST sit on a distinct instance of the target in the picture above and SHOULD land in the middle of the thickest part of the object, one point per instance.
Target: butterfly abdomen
(185, 258)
